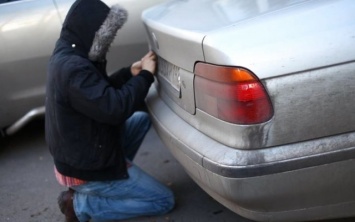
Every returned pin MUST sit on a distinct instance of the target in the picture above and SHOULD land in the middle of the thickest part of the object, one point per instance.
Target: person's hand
(148, 62)
(136, 68)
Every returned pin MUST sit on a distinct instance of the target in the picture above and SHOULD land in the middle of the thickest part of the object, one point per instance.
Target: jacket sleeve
(118, 78)
(92, 95)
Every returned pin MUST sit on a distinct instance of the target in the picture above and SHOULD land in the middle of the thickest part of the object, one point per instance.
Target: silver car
(256, 100)
(28, 32)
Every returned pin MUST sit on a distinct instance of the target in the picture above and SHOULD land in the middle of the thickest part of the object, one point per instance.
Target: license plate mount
(169, 77)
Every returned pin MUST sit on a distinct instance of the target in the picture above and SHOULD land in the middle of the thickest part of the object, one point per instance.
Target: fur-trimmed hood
(91, 26)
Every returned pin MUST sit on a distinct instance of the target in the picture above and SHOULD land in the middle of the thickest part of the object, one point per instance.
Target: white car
(256, 100)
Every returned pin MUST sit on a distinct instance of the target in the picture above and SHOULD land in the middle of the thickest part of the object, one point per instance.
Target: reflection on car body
(255, 100)
(28, 32)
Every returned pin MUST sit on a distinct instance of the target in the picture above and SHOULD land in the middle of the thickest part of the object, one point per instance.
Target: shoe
(65, 202)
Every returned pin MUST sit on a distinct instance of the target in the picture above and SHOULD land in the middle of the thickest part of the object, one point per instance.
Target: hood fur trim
(107, 32)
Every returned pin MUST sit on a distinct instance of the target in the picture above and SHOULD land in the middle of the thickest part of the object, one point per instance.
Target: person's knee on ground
(165, 205)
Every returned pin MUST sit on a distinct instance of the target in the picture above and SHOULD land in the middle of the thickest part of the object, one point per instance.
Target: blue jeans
(140, 195)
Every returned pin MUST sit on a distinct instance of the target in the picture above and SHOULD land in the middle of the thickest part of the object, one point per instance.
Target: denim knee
(144, 119)
(166, 205)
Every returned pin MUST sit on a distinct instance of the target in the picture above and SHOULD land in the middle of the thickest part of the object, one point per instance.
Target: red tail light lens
(231, 94)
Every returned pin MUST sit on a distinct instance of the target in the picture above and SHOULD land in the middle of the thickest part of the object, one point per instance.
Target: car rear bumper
(273, 184)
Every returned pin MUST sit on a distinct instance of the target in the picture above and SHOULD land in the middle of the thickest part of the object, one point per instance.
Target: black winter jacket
(85, 108)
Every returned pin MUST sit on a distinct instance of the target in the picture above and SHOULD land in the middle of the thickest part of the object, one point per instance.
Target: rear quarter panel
(304, 55)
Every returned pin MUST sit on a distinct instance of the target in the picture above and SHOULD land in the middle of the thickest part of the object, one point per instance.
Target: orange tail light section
(231, 94)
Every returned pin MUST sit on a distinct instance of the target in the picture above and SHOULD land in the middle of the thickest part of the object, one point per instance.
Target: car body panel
(23, 58)
(185, 39)
(259, 23)
(289, 168)
(326, 40)
(314, 107)
(29, 30)
(180, 41)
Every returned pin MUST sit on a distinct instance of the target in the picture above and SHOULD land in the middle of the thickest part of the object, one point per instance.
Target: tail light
(231, 94)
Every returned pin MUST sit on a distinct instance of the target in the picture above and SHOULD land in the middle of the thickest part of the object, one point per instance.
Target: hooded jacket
(85, 108)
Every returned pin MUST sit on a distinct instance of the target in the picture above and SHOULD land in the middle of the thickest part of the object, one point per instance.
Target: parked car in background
(28, 32)
(255, 99)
